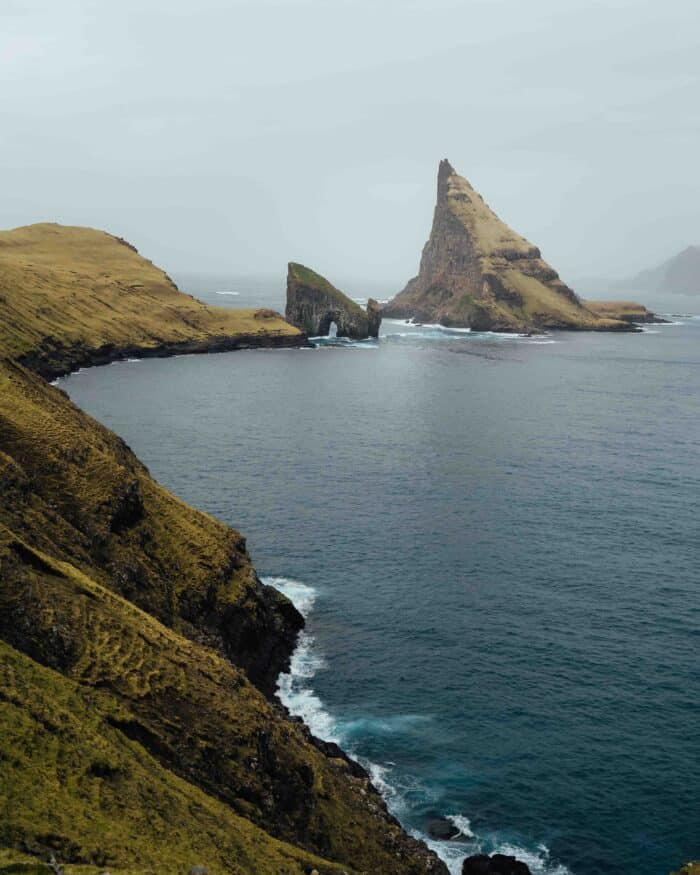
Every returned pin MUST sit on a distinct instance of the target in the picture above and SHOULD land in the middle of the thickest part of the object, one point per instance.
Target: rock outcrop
(313, 304)
(476, 272)
(138, 648)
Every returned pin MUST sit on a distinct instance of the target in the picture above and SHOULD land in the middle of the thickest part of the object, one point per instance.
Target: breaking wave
(295, 691)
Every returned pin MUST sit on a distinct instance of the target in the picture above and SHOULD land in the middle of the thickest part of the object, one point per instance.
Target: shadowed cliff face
(313, 304)
(477, 272)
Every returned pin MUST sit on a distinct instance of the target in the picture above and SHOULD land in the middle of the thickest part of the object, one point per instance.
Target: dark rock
(313, 304)
(440, 828)
(497, 864)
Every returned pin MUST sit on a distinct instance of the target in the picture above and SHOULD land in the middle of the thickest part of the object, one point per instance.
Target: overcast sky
(234, 136)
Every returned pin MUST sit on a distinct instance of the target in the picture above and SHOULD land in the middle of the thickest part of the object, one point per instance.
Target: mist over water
(495, 542)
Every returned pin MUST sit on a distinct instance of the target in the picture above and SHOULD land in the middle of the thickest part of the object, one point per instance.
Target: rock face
(313, 304)
(476, 272)
(497, 864)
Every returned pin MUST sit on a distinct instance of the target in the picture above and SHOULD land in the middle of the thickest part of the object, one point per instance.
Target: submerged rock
(442, 829)
(314, 305)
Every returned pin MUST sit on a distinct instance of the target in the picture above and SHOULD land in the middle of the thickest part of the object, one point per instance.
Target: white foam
(297, 695)
(293, 688)
(462, 823)
(227, 293)
(538, 861)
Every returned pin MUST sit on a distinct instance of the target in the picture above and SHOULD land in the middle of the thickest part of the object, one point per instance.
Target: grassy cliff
(76, 296)
(138, 647)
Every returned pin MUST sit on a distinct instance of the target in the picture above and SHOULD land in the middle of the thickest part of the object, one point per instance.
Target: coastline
(59, 361)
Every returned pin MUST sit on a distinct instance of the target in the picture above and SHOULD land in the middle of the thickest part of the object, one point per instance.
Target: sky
(232, 136)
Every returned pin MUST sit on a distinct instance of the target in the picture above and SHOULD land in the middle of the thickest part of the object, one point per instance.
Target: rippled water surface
(496, 543)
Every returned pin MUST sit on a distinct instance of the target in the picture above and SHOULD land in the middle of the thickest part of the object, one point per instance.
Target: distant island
(678, 275)
(477, 272)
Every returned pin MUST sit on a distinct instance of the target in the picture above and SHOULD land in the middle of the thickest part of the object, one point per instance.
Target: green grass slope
(304, 276)
(71, 296)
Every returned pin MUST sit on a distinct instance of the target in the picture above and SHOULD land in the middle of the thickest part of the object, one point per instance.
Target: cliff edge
(477, 272)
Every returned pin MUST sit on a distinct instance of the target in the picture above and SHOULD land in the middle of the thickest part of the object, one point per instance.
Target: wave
(227, 293)
(296, 693)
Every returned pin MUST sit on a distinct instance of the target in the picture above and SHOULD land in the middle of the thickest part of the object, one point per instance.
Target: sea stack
(313, 304)
(477, 272)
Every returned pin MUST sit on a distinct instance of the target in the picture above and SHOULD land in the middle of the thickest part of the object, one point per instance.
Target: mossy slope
(156, 694)
(72, 488)
(75, 296)
(476, 271)
(138, 648)
(76, 787)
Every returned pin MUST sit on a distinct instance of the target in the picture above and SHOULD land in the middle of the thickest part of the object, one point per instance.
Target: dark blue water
(498, 543)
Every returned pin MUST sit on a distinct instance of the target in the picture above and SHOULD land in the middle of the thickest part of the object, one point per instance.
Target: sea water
(494, 540)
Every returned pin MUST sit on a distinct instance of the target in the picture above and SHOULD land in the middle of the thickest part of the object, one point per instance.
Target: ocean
(495, 541)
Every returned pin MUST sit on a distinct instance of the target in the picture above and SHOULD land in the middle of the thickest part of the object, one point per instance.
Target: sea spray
(296, 693)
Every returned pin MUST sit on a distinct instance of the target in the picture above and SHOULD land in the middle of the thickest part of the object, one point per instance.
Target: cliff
(313, 303)
(680, 274)
(477, 272)
(71, 297)
(138, 647)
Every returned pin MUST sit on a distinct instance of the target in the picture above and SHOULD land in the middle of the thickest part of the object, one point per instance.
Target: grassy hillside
(72, 488)
(138, 648)
(69, 296)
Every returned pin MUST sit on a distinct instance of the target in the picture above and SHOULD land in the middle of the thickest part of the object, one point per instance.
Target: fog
(232, 136)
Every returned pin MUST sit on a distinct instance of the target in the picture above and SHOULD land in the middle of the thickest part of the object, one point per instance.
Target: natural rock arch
(313, 304)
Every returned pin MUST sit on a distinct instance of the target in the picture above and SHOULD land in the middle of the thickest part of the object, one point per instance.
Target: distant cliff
(313, 304)
(679, 275)
(477, 272)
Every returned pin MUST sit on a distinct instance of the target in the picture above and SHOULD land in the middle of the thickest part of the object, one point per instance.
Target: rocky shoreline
(54, 360)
